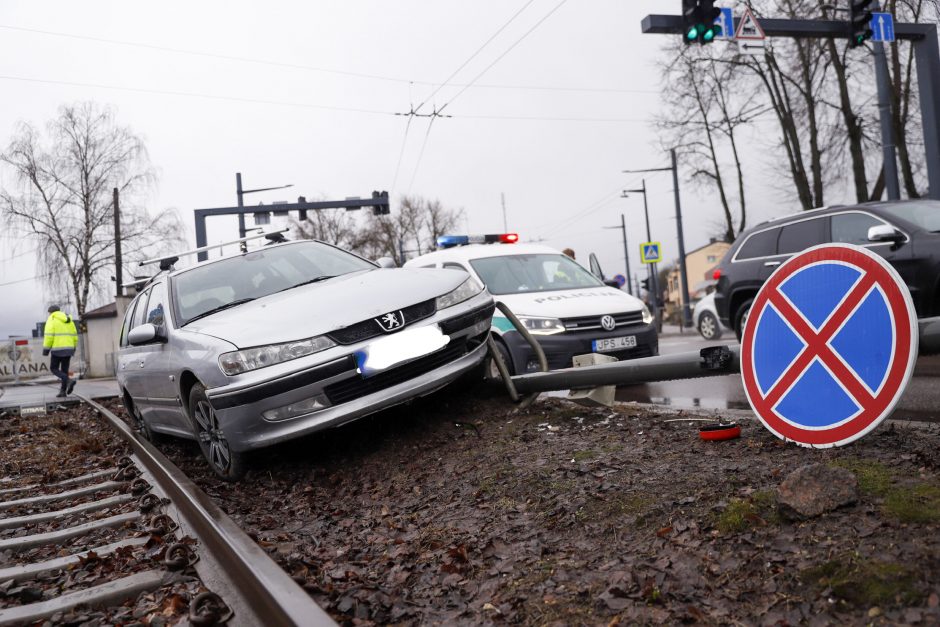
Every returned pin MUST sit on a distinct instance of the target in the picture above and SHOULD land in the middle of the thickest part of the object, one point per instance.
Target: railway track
(127, 537)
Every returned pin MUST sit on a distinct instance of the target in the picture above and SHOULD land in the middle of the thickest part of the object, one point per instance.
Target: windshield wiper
(315, 279)
(234, 303)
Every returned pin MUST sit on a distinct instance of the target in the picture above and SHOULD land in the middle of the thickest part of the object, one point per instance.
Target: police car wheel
(491, 373)
(225, 463)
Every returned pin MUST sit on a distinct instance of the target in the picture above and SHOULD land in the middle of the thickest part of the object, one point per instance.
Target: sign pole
(884, 111)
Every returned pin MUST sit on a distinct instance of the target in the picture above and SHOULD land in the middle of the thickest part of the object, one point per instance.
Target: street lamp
(240, 193)
(651, 267)
(686, 320)
(626, 250)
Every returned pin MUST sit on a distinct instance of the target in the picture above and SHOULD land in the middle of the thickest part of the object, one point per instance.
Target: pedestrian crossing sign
(651, 252)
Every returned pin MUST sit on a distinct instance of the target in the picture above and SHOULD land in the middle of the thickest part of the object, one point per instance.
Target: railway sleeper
(108, 472)
(60, 535)
(107, 486)
(84, 508)
(107, 594)
(31, 571)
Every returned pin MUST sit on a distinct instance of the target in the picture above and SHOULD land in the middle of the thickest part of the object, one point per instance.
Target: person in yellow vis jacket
(60, 338)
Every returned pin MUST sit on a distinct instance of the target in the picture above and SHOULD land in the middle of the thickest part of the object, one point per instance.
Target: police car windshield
(257, 274)
(517, 274)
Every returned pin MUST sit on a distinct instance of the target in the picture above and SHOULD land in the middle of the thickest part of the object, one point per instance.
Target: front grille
(368, 329)
(585, 323)
(468, 319)
(357, 387)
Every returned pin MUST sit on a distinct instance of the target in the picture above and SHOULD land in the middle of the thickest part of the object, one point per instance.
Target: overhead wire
(421, 154)
(507, 51)
(593, 207)
(474, 55)
(300, 66)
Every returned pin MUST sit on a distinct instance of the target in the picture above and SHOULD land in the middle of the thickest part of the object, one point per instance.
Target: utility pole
(118, 270)
(626, 250)
(683, 275)
(502, 197)
(651, 267)
(243, 246)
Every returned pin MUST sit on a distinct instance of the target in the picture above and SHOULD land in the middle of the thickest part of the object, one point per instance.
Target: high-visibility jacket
(60, 335)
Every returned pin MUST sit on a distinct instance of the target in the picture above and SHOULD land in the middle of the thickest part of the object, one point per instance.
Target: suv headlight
(467, 289)
(241, 361)
(542, 326)
(647, 316)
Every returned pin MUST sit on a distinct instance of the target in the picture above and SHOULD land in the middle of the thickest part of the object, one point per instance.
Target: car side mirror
(612, 283)
(386, 262)
(884, 233)
(144, 334)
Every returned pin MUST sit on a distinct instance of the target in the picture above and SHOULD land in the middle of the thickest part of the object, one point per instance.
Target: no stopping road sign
(829, 345)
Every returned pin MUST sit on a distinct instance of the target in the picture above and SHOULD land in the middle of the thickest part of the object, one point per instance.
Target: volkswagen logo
(392, 321)
(608, 323)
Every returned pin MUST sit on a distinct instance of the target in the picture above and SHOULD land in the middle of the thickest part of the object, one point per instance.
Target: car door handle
(771, 264)
(141, 363)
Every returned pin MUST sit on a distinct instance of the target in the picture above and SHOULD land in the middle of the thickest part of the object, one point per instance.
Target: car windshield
(923, 213)
(223, 284)
(515, 274)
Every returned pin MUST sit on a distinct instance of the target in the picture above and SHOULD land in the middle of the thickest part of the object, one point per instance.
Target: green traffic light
(692, 33)
(709, 35)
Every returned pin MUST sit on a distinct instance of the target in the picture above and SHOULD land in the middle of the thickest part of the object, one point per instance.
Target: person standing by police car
(60, 337)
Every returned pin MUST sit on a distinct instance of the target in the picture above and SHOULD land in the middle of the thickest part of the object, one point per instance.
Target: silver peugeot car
(251, 350)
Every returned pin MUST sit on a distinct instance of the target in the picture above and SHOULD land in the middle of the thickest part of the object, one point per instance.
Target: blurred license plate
(398, 348)
(613, 344)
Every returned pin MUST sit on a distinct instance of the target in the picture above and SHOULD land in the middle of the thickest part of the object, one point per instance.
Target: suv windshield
(515, 274)
(225, 283)
(924, 213)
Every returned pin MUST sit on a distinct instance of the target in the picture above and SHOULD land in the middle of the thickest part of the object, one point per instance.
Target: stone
(815, 489)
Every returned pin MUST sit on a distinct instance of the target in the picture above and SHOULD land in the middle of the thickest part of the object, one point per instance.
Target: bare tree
(64, 199)
(412, 230)
(334, 226)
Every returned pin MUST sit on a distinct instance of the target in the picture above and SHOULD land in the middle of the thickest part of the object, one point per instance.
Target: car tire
(225, 463)
(741, 318)
(491, 372)
(137, 420)
(708, 326)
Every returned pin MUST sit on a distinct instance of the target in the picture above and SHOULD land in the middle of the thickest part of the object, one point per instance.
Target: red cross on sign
(829, 345)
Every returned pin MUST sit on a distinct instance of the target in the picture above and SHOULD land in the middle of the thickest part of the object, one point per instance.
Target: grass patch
(741, 514)
(581, 456)
(914, 504)
(873, 477)
(863, 582)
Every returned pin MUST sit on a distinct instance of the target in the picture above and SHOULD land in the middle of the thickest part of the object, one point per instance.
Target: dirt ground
(468, 510)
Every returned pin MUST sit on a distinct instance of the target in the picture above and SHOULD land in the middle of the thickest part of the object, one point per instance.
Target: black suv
(906, 233)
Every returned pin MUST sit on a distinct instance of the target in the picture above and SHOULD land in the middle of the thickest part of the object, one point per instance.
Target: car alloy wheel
(225, 462)
(708, 326)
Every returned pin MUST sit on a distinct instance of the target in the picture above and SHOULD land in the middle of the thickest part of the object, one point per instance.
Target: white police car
(569, 310)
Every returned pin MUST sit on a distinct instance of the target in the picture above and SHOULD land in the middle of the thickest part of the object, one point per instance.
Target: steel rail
(264, 588)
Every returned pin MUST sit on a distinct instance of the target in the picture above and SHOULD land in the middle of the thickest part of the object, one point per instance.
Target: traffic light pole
(926, 54)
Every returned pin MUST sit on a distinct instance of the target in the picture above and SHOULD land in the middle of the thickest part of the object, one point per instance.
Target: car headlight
(542, 326)
(647, 316)
(467, 289)
(241, 361)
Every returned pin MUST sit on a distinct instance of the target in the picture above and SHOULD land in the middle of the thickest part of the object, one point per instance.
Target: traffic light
(710, 13)
(698, 21)
(859, 22)
(691, 13)
(381, 207)
(646, 284)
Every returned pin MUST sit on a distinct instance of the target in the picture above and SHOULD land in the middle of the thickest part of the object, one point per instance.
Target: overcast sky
(305, 93)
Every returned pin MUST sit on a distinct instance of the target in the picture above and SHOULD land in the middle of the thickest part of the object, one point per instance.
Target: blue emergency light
(449, 241)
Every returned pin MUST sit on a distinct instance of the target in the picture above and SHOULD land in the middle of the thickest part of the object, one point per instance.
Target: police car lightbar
(167, 262)
(449, 241)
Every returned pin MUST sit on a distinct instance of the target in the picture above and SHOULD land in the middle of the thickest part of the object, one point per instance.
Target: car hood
(318, 308)
(571, 303)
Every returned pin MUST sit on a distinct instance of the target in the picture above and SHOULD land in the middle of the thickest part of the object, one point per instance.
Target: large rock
(816, 489)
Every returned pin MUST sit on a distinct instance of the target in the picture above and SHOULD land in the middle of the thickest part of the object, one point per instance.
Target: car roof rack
(167, 262)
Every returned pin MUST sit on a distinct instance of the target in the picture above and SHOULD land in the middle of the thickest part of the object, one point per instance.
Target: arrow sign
(726, 22)
(882, 27)
(829, 345)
